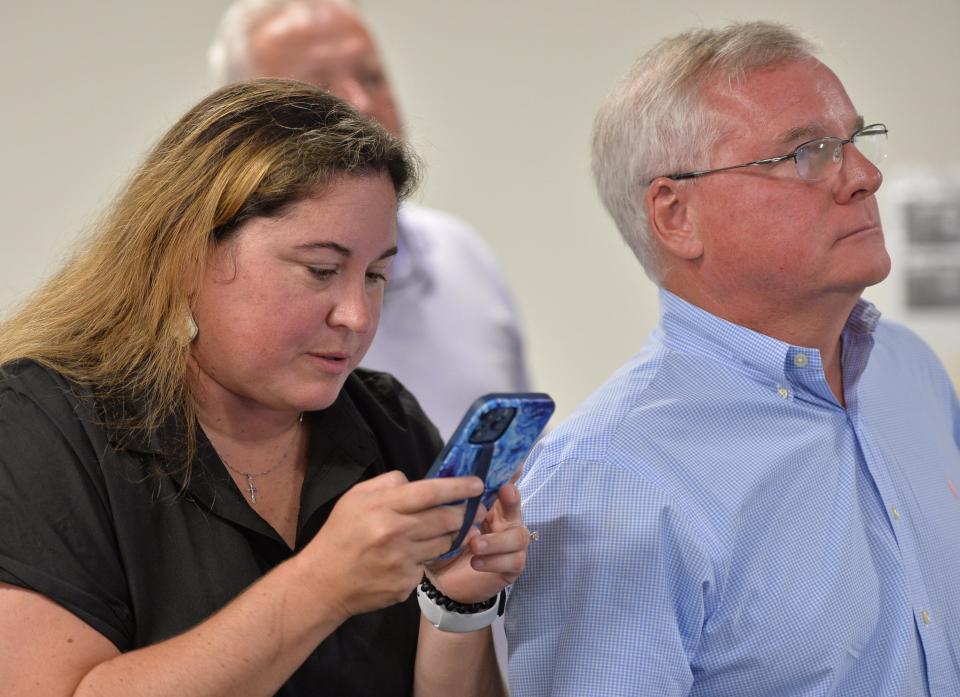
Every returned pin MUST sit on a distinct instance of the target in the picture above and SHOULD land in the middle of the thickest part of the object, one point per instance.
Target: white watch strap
(448, 621)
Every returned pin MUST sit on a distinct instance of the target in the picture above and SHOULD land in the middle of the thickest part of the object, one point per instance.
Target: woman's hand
(494, 554)
(370, 552)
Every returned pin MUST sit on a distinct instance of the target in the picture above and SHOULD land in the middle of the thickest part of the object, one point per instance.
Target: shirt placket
(903, 524)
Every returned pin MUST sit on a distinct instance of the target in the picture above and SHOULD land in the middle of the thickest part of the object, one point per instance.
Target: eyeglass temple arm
(874, 129)
(702, 172)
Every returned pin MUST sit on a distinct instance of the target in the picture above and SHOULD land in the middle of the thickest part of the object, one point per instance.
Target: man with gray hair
(449, 329)
(763, 501)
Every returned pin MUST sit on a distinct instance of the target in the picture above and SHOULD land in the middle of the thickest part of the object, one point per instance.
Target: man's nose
(858, 178)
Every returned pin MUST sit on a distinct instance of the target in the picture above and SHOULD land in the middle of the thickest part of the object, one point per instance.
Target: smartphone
(491, 442)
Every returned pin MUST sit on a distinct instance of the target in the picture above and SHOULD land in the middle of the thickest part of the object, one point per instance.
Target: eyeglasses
(819, 158)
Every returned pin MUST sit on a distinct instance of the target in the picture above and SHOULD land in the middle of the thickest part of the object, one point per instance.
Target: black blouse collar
(341, 448)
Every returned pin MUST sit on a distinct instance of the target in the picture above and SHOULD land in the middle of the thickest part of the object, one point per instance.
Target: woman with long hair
(200, 492)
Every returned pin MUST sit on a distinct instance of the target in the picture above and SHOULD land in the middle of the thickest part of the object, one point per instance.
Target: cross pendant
(251, 489)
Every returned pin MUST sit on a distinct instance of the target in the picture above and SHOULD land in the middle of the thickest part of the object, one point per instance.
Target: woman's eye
(376, 277)
(322, 273)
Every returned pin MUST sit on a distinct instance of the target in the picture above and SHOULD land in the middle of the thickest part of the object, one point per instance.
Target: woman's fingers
(442, 521)
(506, 510)
(503, 553)
(383, 530)
(427, 551)
(428, 493)
(495, 553)
(509, 498)
(509, 541)
(507, 566)
(382, 482)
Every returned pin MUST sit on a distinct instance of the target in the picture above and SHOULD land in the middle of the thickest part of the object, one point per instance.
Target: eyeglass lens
(821, 158)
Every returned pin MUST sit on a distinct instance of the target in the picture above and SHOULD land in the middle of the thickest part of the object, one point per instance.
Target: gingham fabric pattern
(713, 522)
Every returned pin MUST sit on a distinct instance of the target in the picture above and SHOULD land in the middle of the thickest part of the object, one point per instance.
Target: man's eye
(815, 148)
(371, 78)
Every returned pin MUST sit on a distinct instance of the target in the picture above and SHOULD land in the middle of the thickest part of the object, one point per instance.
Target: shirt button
(925, 616)
(783, 392)
(895, 513)
(800, 360)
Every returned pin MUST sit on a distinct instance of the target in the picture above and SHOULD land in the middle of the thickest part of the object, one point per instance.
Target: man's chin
(881, 272)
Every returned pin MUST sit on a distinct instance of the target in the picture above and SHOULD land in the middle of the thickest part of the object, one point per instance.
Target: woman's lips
(332, 363)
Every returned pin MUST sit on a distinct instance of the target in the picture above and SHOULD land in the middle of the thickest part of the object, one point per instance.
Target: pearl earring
(192, 328)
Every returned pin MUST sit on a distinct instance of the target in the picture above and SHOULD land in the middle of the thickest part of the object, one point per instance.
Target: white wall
(499, 98)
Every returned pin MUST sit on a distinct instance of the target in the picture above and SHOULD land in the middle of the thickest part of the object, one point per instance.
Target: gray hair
(228, 58)
(655, 122)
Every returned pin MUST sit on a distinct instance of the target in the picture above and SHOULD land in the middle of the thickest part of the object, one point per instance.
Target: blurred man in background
(449, 329)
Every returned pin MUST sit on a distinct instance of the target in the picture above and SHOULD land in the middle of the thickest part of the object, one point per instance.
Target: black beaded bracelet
(452, 605)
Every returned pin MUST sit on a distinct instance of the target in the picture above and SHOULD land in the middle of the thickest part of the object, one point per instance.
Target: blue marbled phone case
(479, 447)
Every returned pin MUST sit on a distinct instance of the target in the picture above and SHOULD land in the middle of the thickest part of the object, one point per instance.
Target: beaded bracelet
(448, 615)
(432, 592)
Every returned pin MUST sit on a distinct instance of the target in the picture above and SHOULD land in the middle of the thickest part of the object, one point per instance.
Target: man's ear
(671, 221)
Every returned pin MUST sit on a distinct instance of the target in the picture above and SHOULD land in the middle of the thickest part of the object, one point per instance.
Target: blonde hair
(114, 317)
(655, 122)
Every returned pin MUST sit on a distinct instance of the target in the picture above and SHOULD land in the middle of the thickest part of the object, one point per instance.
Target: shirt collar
(688, 328)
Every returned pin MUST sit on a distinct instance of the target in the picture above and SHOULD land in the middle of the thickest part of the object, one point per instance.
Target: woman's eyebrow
(343, 251)
(338, 248)
(392, 252)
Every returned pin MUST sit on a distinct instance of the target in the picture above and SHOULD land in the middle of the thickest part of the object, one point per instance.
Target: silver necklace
(252, 489)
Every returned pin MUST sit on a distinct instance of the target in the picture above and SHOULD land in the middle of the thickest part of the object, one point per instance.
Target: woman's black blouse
(85, 523)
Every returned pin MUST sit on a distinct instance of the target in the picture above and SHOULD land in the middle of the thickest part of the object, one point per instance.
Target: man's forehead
(323, 22)
(318, 35)
(783, 103)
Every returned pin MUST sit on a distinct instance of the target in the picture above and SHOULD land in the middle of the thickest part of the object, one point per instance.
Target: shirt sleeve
(614, 595)
(56, 531)
(955, 407)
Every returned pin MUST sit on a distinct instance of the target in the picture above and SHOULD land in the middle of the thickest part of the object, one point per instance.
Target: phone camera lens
(492, 425)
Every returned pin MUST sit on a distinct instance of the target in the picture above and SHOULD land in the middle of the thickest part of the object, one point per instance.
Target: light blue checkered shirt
(713, 522)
